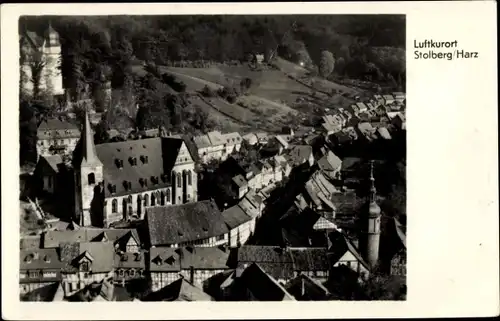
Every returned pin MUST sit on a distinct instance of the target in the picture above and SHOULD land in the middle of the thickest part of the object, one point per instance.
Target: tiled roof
(182, 223)
(340, 244)
(129, 260)
(257, 285)
(274, 260)
(39, 259)
(180, 290)
(54, 162)
(216, 138)
(101, 252)
(55, 128)
(232, 138)
(52, 239)
(204, 258)
(300, 154)
(309, 259)
(235, 216)
(202, 141)
(163, 259)
(30, 242)
(161, 152)
(305, 286)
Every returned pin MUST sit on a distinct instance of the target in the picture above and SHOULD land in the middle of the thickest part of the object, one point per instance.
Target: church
(41, 51)
(117, 181)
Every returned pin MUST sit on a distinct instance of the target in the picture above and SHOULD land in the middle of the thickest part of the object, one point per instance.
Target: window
(153, 200)
(220, 237)
(122, 273)
(91, 179)
(132, 272)
(179, 178)
(190, 178)
(114, 206)
(146, 200)
(168, 196)
(33, 274)
(84, 267)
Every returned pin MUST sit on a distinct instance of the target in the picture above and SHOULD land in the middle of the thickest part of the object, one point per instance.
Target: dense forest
(100, 48)
(99, 52)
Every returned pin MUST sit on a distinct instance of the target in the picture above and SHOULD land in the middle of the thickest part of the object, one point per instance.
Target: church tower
(89, 180)
(371, 225)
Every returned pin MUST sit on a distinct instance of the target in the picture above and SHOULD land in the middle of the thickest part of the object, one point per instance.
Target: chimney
(191, 274)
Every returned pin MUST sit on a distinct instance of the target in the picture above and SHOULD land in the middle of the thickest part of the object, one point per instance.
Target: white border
(452, 169)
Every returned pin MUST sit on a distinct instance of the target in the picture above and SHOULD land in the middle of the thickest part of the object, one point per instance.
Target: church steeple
(371, 225)
(374, 209)
(89, 154)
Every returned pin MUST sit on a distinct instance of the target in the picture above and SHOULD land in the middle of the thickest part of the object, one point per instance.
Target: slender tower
(371, 228)
(89, 178)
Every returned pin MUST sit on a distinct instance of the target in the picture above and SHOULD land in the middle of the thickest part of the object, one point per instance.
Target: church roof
(143, 175)
(89, 155)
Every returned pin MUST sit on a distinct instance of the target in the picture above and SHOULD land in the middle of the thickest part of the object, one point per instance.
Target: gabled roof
(255, 284)
(161, 152)
(164, 259)
(180, 290)
(55, 128)
(300, 154)
(186, 222)
(53, 161)
(129, 260)
(204, 258)
(39, 259)
(340, 245)
(274, 260)
(101, 252)
(304, 287)
(309, 259)
(235, 216)
(52, 239)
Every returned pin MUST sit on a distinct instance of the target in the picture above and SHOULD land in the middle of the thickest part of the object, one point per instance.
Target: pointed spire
(89, 155)
(373, 190)
(374, 209)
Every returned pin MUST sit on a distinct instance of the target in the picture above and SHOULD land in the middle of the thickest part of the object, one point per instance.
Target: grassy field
(274, 99)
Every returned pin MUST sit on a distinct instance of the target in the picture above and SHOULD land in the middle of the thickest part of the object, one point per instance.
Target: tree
(28, 138)
(326, 64)
(101, 134)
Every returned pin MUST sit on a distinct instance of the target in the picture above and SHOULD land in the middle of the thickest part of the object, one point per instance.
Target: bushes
(228, 93)
(175, 84)
(207, 92)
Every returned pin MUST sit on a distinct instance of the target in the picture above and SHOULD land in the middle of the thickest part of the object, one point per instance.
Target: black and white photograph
(212, 157)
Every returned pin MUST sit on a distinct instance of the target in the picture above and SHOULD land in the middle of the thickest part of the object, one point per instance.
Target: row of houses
(82, 257)
(368, 119)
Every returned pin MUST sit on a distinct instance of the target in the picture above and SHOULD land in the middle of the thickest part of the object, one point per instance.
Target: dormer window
(138, 256)
(46, 259)
(85, 266)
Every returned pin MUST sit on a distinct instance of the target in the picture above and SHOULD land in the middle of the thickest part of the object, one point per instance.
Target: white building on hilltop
(41, 58)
